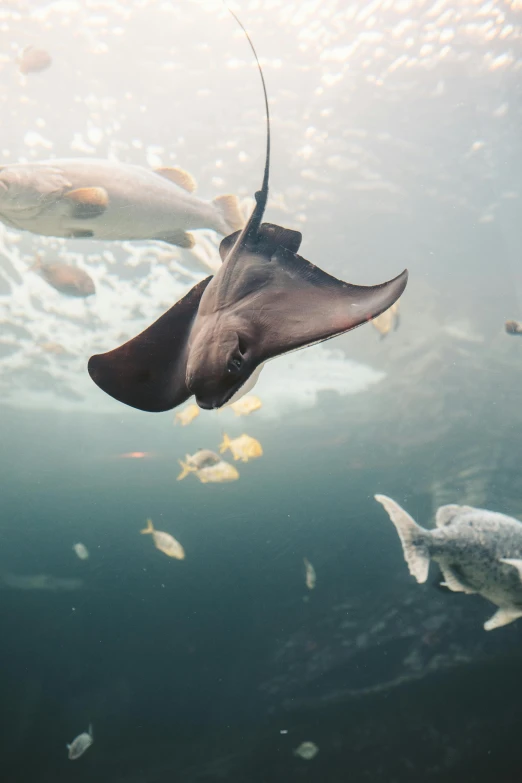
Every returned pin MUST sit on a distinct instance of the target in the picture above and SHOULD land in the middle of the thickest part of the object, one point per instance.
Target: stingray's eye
(235, 364)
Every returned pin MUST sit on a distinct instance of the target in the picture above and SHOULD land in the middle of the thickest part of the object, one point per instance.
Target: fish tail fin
(37, 263)
(414, 538)
(90, 731)
(186, 470)
(149, 528)
(225, 443)
(230, 212)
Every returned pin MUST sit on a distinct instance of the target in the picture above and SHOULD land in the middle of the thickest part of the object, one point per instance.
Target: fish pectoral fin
(178, 176)
(516, 563)
(310, 306)
(149, 371)
(78, 233)
(87, 202)
(178, 238)
(502, 616)
(452, 582)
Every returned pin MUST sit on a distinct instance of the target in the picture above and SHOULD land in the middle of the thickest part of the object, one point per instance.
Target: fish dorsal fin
(178, 176)
(446, 514)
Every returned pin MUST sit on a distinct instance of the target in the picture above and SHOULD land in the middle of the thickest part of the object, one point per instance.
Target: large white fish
(478, 551)
(102, 199)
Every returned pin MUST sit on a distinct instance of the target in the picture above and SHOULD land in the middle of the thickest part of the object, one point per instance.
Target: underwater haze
(280, 636)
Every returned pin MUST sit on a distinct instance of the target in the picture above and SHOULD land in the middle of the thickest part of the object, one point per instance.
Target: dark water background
(190, 670)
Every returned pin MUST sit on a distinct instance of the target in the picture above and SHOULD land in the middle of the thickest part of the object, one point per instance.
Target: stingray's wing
(148, 372)
(307, 305)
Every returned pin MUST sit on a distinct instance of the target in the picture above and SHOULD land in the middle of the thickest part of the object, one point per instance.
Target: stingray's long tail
(261, 195)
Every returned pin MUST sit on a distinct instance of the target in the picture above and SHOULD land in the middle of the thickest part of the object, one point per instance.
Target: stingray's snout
(211, 403)
(207, 405)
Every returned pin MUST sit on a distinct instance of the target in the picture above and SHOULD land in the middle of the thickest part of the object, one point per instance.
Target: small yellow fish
(387, 320)
(203, 458)
(243, 448)
(310, 576)
(164, 542)
(55, 348)
(246, 405)
(513, 327)
(217, 474)
(186, 415)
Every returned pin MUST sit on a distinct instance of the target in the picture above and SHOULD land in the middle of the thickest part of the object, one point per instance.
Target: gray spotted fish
(80, 744)
(478, 551)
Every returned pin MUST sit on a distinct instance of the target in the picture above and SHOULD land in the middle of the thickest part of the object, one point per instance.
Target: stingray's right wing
(305, 305)
(148, 372)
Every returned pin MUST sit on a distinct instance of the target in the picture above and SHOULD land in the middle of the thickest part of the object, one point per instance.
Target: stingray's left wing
(148, 372)
(307, 305)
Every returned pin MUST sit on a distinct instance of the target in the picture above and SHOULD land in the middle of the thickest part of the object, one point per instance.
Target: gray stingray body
(478, 551)
(264, 301)
(102, 199)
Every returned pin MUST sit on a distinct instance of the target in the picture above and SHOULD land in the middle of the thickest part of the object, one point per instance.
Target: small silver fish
(103, 199)
(80, 744)
(307, 751)
(310, 575)
(81, 551)
(478, 551)
(203, 458)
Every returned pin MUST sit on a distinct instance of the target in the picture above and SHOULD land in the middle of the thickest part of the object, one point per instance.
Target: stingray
(264, 301)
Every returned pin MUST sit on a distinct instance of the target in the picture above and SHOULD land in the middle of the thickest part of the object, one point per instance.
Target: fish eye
(235, 364)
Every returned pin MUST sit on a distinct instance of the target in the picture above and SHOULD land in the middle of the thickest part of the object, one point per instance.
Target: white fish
(310, 575)
(90, 197)
(203, 458)
(478, 551)
(306, 750)
(164, 542)
(81, 551)
(80, 744)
